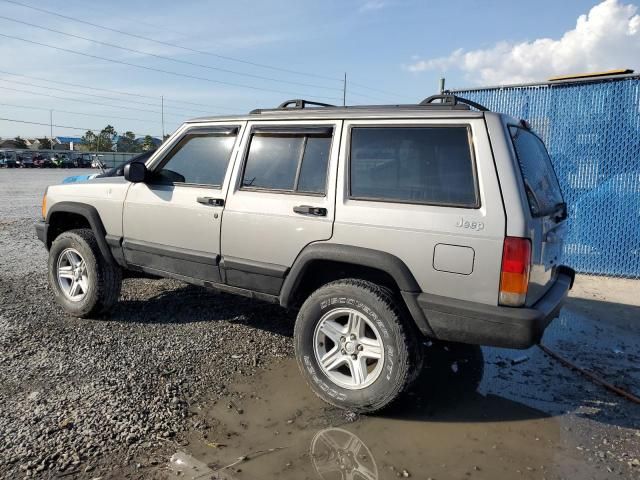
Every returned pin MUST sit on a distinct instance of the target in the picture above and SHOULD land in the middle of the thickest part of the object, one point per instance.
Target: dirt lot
(181, 382)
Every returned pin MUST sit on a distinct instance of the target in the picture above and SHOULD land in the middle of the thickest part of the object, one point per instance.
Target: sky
(113, 61)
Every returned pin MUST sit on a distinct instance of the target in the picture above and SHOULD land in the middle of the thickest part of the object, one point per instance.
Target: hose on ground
(590, 375)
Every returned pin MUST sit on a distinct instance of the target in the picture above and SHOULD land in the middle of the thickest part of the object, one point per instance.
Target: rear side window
(199, 158)
(430, 165)
(288, 160)
(540, 181)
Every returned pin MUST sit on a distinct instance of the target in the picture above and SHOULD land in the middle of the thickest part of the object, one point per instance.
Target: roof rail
(452, 101)
(297, 104)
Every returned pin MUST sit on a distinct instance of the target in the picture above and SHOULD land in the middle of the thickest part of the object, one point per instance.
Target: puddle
(273, 426)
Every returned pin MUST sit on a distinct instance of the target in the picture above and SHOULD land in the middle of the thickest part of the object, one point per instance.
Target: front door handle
(309, 210)
(216, 202)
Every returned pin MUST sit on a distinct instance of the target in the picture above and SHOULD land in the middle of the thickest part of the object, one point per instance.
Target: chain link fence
(592, 131)
(66, 158)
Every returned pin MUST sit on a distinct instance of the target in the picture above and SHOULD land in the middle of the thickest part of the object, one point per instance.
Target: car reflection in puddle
(339, 454)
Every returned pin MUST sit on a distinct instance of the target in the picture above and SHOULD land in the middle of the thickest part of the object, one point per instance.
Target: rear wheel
(84, 283)
(354, 345)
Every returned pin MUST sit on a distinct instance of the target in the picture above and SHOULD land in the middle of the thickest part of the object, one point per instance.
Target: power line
(81, 100)
(160, 70)
(74, 113)
(118, 92)
(201, 52)
(57, 126)
(168, 44)
(170, 59)
(180, 111)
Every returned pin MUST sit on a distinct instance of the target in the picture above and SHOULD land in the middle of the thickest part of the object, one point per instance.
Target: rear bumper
(508, 327)
(41, 231)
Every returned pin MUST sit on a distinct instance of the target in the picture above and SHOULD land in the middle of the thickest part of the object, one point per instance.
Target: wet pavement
(531, 418)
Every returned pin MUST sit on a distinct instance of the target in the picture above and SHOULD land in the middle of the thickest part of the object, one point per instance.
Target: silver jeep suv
(387, 228)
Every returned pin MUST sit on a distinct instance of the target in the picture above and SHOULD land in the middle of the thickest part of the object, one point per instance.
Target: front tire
(355, 346)
(83, 282)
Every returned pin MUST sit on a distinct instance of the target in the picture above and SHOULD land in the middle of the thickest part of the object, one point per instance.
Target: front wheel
(355, 346)
(84, 283)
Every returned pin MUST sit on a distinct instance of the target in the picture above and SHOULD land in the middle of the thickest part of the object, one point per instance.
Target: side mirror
(135, 172)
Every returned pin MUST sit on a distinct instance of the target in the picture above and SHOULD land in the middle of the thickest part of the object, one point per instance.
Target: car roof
(345, 113)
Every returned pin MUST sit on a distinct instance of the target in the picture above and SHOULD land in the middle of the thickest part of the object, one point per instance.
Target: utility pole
(344, 90)
(51, 130)
(162, 110)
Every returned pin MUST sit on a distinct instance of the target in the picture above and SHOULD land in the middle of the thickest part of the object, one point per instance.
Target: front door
(171, 222)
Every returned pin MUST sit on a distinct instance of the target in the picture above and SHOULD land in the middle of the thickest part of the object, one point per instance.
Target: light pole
(51, 131)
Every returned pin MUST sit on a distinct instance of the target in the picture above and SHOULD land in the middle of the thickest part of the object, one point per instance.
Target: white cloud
(605, 38)
(371, 5)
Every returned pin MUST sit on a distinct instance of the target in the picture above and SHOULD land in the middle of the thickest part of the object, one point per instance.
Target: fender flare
(92, 216)
(366, 257)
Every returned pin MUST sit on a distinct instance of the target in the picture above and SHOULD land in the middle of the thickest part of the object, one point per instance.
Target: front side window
(198, 158)
(288, 160)
(429, 165)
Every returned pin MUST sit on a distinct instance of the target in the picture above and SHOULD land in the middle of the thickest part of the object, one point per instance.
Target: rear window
(429, 165)
(540, 181)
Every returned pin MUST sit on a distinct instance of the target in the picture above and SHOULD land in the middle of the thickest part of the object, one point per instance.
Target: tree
(107, 136)
(148, 143)
(127, 142)
(20, 143)
(89, 141)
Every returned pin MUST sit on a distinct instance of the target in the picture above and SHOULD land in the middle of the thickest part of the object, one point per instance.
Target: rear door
(547, 222)
(281, 198)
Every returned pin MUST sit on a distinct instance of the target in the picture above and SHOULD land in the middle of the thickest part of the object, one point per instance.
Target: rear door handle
(216, 202)
(309, 210)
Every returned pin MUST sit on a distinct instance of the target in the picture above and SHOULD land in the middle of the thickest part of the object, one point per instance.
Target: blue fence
(592, 131)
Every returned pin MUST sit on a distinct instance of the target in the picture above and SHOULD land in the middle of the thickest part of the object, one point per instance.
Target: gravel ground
(101, 397)
(80, 394)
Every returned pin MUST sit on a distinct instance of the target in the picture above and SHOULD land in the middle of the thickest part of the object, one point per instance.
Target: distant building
(66, 143)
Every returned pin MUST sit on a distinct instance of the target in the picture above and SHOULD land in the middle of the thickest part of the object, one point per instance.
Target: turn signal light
(44, 205)
(514, 275)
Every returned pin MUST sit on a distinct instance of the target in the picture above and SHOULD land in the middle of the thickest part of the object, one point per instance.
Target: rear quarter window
(539, 177)
(426, 165)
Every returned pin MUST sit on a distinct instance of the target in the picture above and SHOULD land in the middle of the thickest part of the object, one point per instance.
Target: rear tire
(355, 346)
(83, 282)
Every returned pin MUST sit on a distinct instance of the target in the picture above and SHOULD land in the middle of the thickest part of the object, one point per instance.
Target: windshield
(540, 181)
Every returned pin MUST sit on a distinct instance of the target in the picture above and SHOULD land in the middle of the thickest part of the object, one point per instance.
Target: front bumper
(508, 327)
(41, 231)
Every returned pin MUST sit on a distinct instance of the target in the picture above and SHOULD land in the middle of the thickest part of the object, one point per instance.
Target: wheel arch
(308, 273)
(64, 216)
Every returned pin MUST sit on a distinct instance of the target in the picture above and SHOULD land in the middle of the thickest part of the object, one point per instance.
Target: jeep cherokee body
(381, 225)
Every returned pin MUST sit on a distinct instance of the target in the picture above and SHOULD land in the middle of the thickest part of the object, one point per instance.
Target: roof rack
(452, 101)
(296, 104)
(443, 101)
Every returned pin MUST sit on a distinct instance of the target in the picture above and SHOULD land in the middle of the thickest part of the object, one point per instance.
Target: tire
(458, 367)
(97, 281)
(331, 309)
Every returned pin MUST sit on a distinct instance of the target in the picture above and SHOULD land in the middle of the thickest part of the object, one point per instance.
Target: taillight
(514, 275)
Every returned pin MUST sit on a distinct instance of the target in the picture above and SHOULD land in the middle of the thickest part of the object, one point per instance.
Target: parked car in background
(42, 160)
(25, 160)
(8, 159)
(112, 172)
(61, 160)
(81, 159)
